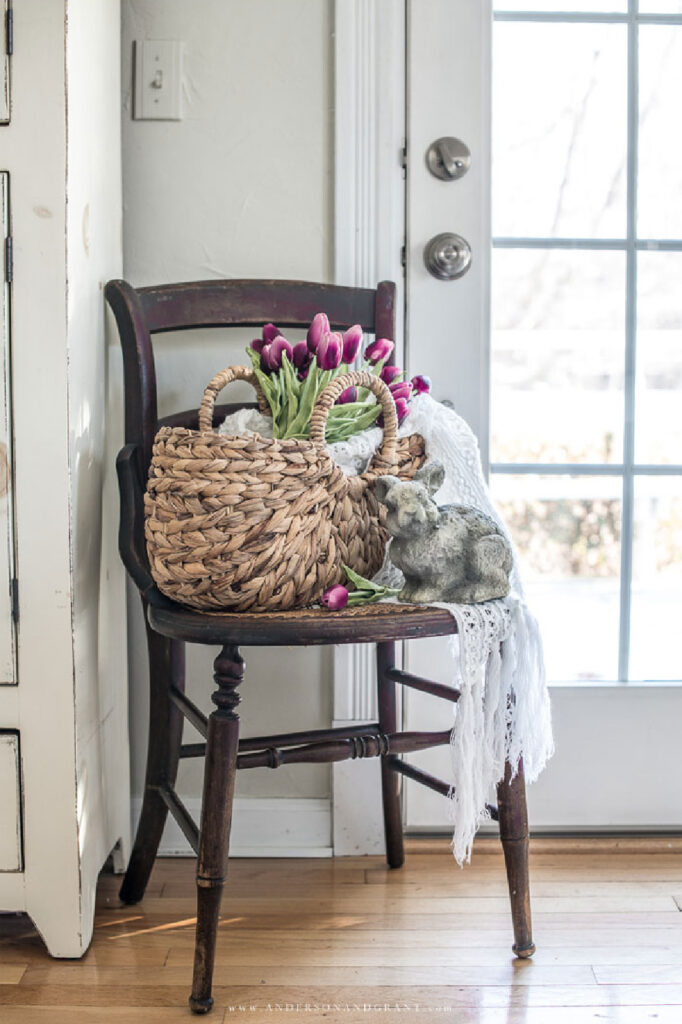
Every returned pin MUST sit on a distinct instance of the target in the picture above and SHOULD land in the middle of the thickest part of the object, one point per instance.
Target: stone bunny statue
(454, 553)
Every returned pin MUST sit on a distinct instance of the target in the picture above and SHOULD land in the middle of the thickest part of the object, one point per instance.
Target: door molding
(369, 231)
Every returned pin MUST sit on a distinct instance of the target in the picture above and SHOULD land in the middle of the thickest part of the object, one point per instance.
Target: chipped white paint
(62, 154)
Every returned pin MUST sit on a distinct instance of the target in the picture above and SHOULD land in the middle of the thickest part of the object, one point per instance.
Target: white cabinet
(64, 790)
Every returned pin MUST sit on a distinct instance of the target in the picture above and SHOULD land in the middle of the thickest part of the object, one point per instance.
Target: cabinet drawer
(10, 803)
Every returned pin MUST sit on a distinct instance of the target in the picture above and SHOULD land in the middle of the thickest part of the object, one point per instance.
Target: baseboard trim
(265, 827)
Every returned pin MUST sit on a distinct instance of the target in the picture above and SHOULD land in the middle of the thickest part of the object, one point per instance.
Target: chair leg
(511, 804)
(220, 770)
(390, 780)
(166, 667)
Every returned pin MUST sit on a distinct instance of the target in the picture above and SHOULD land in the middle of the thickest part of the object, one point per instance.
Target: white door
(577, 347)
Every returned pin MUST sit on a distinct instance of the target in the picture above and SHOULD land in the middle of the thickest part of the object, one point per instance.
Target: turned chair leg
(220, 770)
(166, 667)
(390, 780)
(511, 805)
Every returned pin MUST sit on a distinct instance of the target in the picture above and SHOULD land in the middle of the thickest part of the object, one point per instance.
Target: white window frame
(629, 469)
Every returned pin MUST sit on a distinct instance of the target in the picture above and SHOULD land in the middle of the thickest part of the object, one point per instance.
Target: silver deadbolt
(447, 256)
(448, 158)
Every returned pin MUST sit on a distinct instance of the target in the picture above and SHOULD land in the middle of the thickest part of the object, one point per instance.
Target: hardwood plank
(460, 996)
(266, 954)
(93, 1015)
(158, 924)
(557, 844)
(643, 974)
(514, 972)
(366, 903)
(11, 974)
(546, 936)
(405, 887)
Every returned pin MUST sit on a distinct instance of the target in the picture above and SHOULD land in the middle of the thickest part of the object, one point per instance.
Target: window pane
(659, 358)
(593, 6)
(660, 142)
(557, 358)
(660, 6)
(657, 579)
(559, 130)
(567, 530)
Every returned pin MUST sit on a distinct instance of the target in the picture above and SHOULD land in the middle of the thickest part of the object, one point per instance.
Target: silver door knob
(447, 256)
(448, 158)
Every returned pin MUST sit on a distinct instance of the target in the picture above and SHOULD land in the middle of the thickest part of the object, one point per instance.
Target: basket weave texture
(249, 523)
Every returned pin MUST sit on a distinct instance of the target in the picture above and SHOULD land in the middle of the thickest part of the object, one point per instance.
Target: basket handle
(220, 381)
(387, 451)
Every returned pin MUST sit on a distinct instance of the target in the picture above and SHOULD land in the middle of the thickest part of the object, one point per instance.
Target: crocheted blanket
(503, 712)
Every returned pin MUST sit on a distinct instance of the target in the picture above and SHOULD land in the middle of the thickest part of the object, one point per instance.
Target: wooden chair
(141, 313)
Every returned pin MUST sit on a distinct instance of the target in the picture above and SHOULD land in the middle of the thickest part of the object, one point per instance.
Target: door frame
(369, 233)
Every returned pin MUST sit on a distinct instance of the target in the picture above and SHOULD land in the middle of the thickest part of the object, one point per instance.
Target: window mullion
(627, 521)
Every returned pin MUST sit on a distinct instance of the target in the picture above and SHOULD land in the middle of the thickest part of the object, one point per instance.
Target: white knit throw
(503, 713)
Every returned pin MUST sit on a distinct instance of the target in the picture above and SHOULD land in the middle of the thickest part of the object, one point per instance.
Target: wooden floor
(348, 941)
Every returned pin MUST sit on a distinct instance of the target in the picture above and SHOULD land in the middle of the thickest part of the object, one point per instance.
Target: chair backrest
(143, 312)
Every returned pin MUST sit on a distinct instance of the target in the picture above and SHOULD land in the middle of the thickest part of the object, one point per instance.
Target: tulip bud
(349, 395)
(270, 332)
(389, 373)
(421, 383)
(329, 351)
(378, 350)
(335, 598)
(402, 390)
(401, 408)
(318, 328)
(301, 354)
(257, 345)
(352, 340)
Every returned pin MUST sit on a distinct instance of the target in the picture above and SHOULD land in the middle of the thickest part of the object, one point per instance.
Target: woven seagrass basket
(249, 523)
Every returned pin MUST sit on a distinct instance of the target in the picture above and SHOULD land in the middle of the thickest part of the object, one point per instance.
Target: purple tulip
(280, 347)
(329, 351)
(349, 395)
(421, 383)
(389, 373)
(318, 328)
(257, 344)
(401, 408)
(335, 598)
(378, 350)
(301, 355)
(402, 390)
(270, 332)
(352, 339)
(271, 356)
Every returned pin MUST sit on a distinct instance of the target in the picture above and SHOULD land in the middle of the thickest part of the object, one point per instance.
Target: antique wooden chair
(141, 313)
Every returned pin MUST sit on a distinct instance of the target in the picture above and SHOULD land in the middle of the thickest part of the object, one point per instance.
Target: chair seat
(363, 624)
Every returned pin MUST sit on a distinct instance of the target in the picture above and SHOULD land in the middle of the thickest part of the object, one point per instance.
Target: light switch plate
(158, 80)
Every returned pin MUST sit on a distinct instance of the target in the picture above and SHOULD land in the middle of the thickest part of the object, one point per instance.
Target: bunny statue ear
(431, 475)
(383, 484)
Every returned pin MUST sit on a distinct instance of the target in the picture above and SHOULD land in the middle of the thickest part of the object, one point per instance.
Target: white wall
(241, 187)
